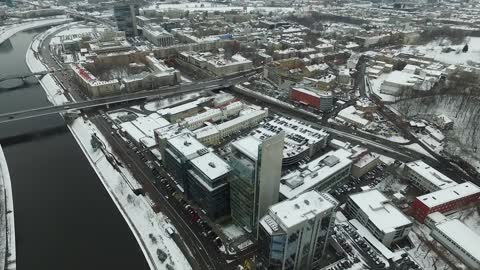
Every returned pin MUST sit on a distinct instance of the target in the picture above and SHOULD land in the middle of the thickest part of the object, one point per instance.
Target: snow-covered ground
(10, 258)
(232, 231)
(169, 101)
(7, 32)
(147, 226)
(419, 149)
(434, 49)
(391, 184)
(462, 139)
(430, 254)
(469, 216)
(205, 6)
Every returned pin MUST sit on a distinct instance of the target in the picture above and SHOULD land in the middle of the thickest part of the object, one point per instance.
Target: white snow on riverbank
(11, 256)
(7, 32)
(147, 226)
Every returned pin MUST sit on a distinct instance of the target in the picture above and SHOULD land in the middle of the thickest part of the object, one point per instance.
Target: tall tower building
(125, 14)
(295, 232)
(254, 185)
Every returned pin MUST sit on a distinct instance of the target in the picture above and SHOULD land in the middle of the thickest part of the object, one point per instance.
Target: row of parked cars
(207, 230)
(366, 248)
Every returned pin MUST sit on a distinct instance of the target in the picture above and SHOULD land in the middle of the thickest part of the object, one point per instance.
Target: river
(64, 217)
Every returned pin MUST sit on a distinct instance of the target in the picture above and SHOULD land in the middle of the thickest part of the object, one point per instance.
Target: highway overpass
(213, 84)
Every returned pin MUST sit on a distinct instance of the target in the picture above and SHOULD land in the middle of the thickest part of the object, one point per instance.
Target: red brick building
(446, 200)
(321, 100)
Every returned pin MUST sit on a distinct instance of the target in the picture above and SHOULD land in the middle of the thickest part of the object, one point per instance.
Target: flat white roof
(307, 206)
(350, 113)
(241, 119)
(186, 144)
(147, 124)
(211, 165)
(367, 159)
(311, 175)
(449, 194)
(298, 136)
(132, 131)
(379, 210)
(178, 109)
(248, 146)
(461, 234)
(430, 174)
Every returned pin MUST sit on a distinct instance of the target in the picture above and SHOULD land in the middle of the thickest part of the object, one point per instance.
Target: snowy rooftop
(149, 123)
(462, 235)
(241, 119)
(211, 165)
(351, 114)
(366, 159)
(135, 133)
(202, 117)
(293, 212)
(379, 210)
(186, 144)
(430, 174)
(299, 137)
(178, 109)
(248, 146)
(311, 175)
(456, 192)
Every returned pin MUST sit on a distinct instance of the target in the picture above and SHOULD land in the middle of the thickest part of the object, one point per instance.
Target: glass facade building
(294, 233)
(254, 184)
(125, 15)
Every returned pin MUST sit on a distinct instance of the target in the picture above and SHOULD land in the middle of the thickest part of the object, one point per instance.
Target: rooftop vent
(211, 164)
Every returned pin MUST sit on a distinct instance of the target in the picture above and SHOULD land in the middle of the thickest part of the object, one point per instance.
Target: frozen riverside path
(7, 223)
(9, 30)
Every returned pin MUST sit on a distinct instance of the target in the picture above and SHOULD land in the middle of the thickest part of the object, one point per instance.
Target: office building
(321, 174)
(373, 210)
(207, 177)
(460, 240)
(427, 178)
(179, 150)
(294, 233)
(445, 200)
(125, 15)
(158, 36)
(301, 139)
(255, 181)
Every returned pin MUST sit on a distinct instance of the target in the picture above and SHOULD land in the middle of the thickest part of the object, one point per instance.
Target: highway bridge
(25, 75)
(212, 84)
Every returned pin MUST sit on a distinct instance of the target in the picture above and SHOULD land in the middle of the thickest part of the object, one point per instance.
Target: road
(214, 84)
(200, 251)
(190, 238)
(382, 146)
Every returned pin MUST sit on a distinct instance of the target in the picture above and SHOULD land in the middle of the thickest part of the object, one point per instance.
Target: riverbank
(9, 30)
(147, 226)
(8, 255)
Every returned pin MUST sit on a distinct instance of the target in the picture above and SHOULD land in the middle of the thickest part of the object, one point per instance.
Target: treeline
(456, 36)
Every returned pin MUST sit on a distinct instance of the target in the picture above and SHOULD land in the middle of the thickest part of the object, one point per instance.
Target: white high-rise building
(294, 233)
(254, 186)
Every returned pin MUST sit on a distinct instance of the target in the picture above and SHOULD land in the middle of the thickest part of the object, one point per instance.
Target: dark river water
(64, 217)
